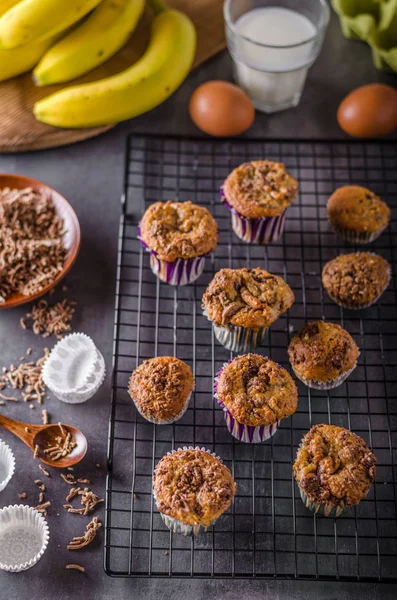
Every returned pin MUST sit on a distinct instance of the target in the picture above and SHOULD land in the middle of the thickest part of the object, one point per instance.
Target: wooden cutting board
(19, 131)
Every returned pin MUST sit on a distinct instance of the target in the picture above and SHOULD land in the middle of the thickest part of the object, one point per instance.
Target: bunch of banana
(65, 39)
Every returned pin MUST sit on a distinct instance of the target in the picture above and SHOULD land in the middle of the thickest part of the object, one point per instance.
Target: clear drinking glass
(273, 49)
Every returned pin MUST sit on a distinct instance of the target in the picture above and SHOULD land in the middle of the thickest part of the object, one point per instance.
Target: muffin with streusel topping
(258, 194)
(357, 215)
(243, 303)
(178, 236)
(334, 470)
(255, 394)
(161, 388)
(356, 280)
(192, 489)
(323, 355)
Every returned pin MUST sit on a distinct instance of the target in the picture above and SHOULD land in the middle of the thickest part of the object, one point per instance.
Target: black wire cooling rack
(268, 533)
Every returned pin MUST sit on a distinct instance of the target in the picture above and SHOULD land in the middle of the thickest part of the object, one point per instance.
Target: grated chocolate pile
(32, 253)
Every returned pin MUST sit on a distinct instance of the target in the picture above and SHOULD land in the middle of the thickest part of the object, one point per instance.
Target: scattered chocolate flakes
(64, 445)
(42, 508)
(32, 252)
(89, 500)
(80, 542)
(28, 351)
(44, 413)
(36, 451)
(44, 470)
(49, 319)
(69, 478)
(8, 398)
(84, 481)
(2, 403)
(26, 377)
(41, 497)
(22, 495)
(76, 567)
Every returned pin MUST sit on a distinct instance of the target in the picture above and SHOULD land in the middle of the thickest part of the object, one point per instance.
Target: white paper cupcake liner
(177, 526)
(163, 421)
(325, 510)
(24, 536)
(75, 369)
(178, 272)
(249, 434)
(239, 339)
(7, 465)
(358, 237)
(324, 385)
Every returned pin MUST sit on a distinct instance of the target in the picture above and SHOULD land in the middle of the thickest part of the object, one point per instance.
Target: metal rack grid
(268, 533)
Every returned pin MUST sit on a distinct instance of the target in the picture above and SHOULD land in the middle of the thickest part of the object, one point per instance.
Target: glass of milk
(273, 43)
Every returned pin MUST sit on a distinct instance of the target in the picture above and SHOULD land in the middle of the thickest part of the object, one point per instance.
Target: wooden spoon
(44, 437)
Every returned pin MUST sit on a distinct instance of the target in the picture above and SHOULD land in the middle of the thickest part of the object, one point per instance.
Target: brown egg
(369, 111)
(221, 109)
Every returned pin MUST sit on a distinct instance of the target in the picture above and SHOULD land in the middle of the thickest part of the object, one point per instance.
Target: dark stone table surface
(90, 175)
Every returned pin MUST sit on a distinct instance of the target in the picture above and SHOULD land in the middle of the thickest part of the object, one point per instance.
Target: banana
(141, 87)
(101, 35)
(18, 61)
(6, 5)
(33, 20)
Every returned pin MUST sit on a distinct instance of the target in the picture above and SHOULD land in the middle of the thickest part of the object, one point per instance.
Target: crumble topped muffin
(260, 188)
(178, 230)
(355, 209)
(334, 466)
(256, 390)
(161, 388)
(356, 280)
(193, 486)
(250, 298)
(322, 352)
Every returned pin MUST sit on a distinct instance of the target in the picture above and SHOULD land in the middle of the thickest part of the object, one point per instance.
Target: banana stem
(157, 5)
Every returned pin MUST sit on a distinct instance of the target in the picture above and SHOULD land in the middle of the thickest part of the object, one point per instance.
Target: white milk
(273, 77)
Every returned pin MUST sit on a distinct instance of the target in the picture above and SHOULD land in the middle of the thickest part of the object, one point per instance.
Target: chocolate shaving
(76, 567)
(48, 319)
(32, 252)
(80, 542)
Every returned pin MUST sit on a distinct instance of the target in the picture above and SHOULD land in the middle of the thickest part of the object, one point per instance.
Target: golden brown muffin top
(179, 230)
(322, 351)
(260, 188)
(193, 486)
(334, 466)
(356, 208)
(256, 390)
(160, 387)
(356, 279)
(251, 298)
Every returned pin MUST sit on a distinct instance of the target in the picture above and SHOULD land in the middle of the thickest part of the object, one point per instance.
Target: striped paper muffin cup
(249, 434)
(325, 510)
(178, 272)
(324, 385)
(358, 237)
(239, 339)
(264, 230)
(177, 526)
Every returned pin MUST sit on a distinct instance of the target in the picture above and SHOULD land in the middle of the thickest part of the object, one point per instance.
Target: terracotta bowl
(72, 237)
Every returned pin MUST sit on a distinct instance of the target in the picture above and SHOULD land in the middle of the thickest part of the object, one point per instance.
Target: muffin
(255, 394)
(334, 469)
(357, 215)
(161, 388)
(356, 280)
(192, 489)
(323, 355)
(258, 194)
(178, 236)
(243, 303)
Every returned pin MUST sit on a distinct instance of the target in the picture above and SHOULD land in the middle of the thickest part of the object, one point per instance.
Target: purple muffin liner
(264, 230)
(178, 272)
(249, 434)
